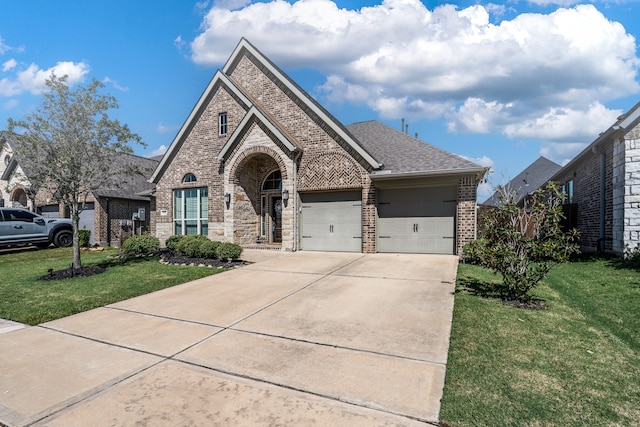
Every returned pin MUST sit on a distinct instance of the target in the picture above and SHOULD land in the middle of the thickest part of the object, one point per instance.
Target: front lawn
(25, 299)
(576, 363)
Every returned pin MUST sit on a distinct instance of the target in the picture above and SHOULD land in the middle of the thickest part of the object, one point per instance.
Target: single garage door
(87, 220)
(50, 211)
(331, 221)
(417, 220)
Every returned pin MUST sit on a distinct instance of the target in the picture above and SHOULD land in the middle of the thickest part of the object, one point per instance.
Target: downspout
(295, 196)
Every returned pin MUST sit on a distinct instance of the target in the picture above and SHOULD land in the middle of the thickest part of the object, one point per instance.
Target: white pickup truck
(20, 227)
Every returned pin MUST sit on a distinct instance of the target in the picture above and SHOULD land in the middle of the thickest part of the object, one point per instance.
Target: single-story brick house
(108, 211)
(260, 162)
(602, 184)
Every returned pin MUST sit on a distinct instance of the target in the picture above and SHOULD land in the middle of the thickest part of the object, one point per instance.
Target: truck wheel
(63, 239)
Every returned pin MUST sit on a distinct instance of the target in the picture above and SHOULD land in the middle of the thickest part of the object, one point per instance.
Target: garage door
(331, 221)
(417, 220)
(87, 220)
(50, 211)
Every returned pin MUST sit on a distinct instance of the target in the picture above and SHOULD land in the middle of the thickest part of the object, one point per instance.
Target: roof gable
(529, 180)
(254, 114)
(245, 47)
(219, 79)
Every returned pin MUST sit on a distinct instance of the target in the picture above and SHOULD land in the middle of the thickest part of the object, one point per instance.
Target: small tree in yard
(70, 145)
(523, 243)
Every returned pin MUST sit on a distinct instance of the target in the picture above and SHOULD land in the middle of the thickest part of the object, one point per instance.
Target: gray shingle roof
(403, 154)
(130, 185)
(528, 181)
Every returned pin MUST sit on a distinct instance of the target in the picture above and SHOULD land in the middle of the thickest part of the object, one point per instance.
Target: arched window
(189, 178)
(273, 181)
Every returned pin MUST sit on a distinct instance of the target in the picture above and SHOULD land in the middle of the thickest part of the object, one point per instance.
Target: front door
(276, 219)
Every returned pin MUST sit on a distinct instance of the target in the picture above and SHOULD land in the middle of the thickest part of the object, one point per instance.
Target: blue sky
(499, 82)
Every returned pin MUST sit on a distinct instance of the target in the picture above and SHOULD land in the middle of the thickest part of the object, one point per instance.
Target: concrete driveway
(305, 338)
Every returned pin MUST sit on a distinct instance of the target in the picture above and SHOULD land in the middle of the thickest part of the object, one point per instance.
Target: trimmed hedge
(209, 248)
(173, 242)
(228, 250)
(140, 244)
(190, 245)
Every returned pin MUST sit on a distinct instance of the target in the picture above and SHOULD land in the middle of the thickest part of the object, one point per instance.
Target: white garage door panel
(399, 235)
(331, 223)
(417, 220)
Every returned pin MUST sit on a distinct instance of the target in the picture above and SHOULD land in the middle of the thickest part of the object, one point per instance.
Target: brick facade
(466, 212)
(593, 194)
(322, 159)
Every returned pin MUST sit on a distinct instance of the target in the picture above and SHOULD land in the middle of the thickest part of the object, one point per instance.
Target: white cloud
(3, 47)
(158, 151)
(32, 79)
(562, 153)
(534, 76)
(8, 65)
(115, 84)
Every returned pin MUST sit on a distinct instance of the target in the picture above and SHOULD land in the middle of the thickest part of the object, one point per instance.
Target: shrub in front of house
(84, 237)
(190, 245)
(228, 250)
(140, 245)
(209, 248)
(173, 242)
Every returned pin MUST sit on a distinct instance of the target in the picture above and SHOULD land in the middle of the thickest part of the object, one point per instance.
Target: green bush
(84, 237)
(140, 244)
(190, 245)
(173, 242)
(472, 252)
(208, 249)
(228, 250)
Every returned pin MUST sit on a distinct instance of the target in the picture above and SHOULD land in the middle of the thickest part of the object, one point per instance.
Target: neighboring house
(526, 182)
(109, 210)
(259, 161)
(602, 184)
(13, 184)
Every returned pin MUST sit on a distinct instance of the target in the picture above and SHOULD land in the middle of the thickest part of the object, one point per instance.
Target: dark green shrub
(190, 245)
(140, 244)
(228, 250)
(84, 236)
(173, 241)
(208, 249)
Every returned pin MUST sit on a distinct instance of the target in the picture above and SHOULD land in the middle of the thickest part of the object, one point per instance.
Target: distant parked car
(20, 227)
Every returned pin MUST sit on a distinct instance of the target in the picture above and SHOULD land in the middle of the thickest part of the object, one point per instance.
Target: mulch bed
(72, 272)
(166, 257)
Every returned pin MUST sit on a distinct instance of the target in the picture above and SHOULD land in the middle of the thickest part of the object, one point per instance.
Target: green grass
(25, 299)
(576, 363)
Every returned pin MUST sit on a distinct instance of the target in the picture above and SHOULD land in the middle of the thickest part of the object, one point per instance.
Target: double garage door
(410, 220)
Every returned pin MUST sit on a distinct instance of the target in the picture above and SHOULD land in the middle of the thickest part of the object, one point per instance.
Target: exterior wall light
(285, 195)
(227, 198)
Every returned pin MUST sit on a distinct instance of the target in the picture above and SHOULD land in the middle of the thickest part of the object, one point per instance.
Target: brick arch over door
(329, 171)
(246, 155)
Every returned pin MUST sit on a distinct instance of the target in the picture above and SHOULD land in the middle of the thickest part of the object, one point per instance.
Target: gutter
(389, 175)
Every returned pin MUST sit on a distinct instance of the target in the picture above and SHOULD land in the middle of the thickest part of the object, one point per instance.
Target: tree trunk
(75, 220)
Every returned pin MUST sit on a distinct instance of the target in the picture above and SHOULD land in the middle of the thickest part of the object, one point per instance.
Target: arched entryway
(19, 198)
(257, 206)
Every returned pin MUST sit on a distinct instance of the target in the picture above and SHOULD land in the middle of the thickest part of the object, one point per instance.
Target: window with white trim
(222, 124)
(190, 211)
